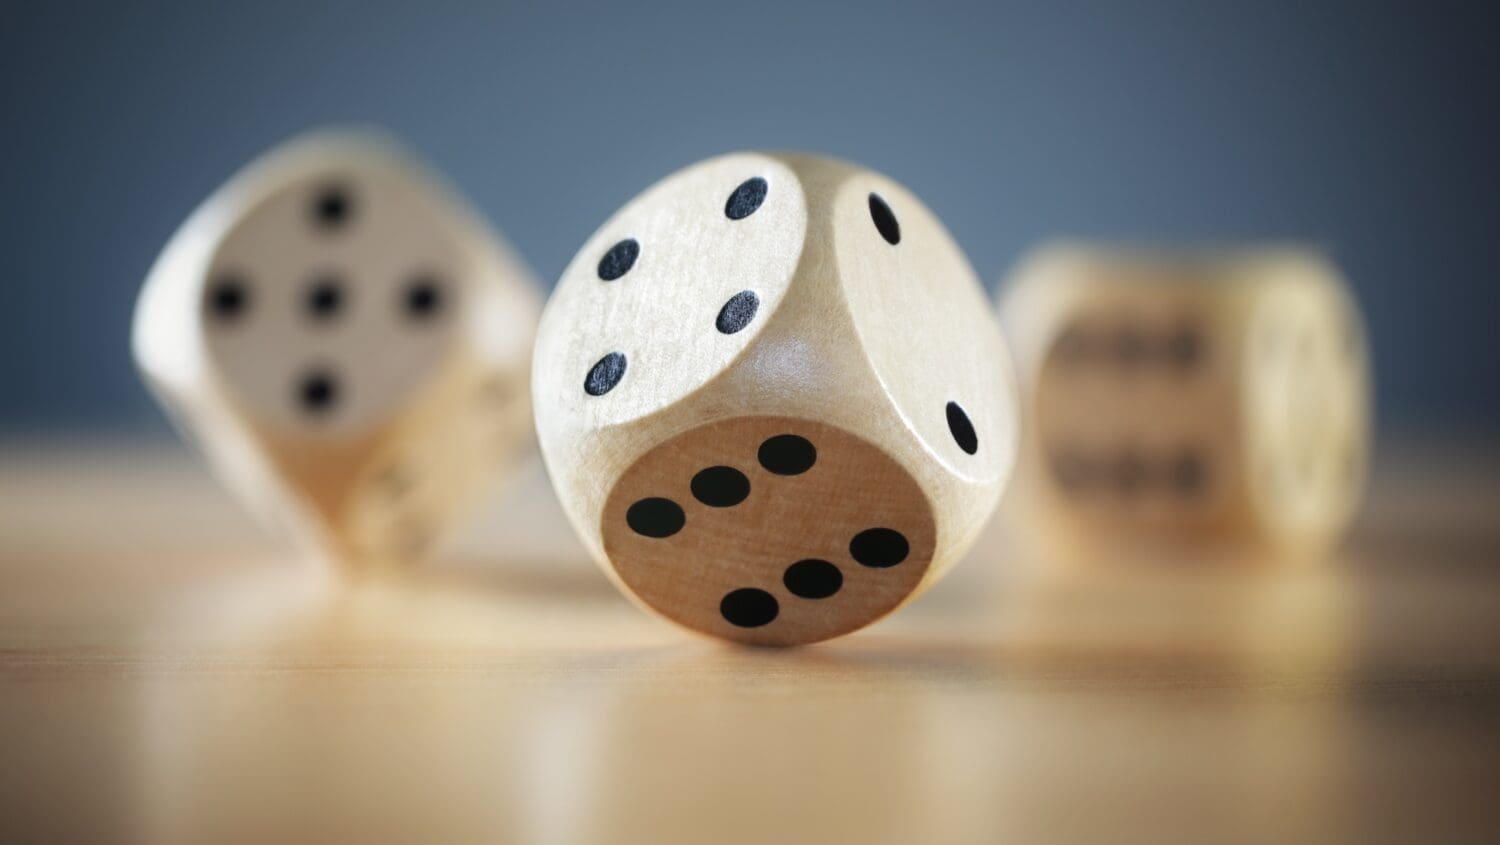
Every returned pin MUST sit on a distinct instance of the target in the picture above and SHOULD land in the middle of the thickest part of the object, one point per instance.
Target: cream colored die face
(729, 232)
(926, 326)
(332, 301)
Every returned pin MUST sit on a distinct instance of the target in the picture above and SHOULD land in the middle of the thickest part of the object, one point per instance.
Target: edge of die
(1312, 279)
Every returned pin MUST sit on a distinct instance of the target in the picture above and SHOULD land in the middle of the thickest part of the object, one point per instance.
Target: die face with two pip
(347, 342)
(1208, 401)
(773, 398)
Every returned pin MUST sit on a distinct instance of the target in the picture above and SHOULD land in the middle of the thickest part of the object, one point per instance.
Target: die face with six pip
(1181, 400)
(773, 399)
(346, 341)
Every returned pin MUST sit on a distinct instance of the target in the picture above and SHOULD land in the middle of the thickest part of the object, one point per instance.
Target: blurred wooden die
(1188, 401)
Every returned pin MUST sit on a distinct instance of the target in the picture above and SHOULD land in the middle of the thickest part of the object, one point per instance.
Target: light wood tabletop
(171, 673)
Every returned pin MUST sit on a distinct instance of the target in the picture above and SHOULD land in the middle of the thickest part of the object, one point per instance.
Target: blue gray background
(1367, 128)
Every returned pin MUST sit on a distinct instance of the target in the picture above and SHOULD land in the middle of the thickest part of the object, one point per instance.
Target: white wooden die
(346, 342)
(773, 398)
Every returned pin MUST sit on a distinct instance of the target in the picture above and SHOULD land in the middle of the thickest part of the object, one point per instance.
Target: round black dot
(1188, 473)
(1129, 345)
(324, 299)
(228, 298)
(620, 258)
(961, 429)
(655, 517)
(332, 207)
(879, 548)
(1073, 345)
(787, 454)
(720, 487)
(737, 312)
(317, 392)
(605, 374)
(748, 607)
(423, 298)
(1130, 472)
(746, 199)
(813, 579)
(885, 220)
(1185, 347)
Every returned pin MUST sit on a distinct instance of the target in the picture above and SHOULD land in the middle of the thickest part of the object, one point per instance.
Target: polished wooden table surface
(169, 673)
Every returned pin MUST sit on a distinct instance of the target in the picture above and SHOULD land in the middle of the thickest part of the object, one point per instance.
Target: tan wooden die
(1189, 399)
(773, 398)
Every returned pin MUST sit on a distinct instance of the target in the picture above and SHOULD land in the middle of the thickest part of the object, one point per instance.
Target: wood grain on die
(331, 310)
(770, 285)
(1190, 398)
(782, 531)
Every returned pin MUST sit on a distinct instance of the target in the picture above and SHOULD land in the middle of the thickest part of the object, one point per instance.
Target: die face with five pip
(346, 341)
(773, 398)
(1182, 399)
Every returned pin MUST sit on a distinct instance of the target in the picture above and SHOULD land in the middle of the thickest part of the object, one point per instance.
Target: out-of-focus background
(172, 672)
(1367, 128)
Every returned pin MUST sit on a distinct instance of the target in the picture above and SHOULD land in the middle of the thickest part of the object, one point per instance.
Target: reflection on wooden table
(168, 674)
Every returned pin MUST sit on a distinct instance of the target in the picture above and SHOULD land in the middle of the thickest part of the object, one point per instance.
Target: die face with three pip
(346, 341)
(773, 398)
(1190, 400)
